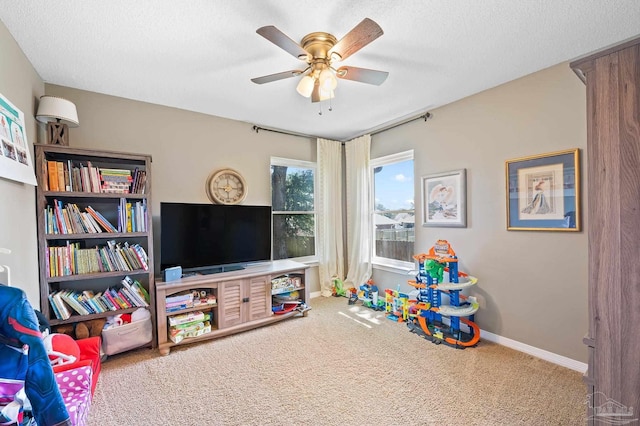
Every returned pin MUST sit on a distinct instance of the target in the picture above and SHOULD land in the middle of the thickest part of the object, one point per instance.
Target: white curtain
(329, 212)
(359, 219)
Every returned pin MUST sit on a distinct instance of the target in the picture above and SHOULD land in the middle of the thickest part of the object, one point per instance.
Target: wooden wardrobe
(612, 78)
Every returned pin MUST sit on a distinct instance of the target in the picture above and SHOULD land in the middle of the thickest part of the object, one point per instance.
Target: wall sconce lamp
(59, 114)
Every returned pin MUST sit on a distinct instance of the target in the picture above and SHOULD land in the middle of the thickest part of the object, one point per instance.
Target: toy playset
(430, 318)
(397, 305)
(368, 294)
(423, 309)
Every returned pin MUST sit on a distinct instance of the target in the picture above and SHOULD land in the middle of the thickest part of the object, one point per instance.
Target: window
(293, 204)
(393, 209)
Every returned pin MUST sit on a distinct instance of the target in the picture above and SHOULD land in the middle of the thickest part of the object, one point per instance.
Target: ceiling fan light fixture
(335, 57)
(326, 94)
(328, 81)
(305, 86)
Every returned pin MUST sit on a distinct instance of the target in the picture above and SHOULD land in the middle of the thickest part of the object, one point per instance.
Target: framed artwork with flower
(543, 192)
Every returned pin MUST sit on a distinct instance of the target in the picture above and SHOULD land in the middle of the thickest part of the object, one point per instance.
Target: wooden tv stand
(243, 300)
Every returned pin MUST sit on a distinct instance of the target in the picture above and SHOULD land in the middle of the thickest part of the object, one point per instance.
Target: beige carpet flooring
(341, 365)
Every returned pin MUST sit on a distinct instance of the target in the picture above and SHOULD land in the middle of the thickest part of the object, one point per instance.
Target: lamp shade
(54, 109)
(305, 86)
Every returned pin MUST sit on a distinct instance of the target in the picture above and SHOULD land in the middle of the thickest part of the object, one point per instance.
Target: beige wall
(532, 285)
(20, 83)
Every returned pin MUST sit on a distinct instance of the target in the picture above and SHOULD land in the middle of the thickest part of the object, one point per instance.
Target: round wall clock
(226, 186)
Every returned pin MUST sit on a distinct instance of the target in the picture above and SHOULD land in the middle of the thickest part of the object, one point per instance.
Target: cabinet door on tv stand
(230, 304)
(259, 292)
(245, 300)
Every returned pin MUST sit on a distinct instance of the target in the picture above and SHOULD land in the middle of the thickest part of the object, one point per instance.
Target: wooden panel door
(259, 294)
(230, 306)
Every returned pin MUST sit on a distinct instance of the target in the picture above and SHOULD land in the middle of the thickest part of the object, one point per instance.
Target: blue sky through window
(394, 186)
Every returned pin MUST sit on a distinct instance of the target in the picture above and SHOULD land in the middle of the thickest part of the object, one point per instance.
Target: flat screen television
(210, 238)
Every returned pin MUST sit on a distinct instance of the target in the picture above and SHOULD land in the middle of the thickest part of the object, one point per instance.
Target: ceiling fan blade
(361, 35)
(275, 77)
(283, 41)
(362, 75)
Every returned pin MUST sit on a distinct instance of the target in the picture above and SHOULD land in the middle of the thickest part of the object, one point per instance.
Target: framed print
(15, 159)
(543, 192)
(444, 199)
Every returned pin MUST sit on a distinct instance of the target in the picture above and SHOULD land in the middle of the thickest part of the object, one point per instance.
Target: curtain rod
(284, 132)
(424, 116)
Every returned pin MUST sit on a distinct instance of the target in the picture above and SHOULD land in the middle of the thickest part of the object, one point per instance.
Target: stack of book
(179, 302)
(130, 295)
(192, 324)
(117, 181)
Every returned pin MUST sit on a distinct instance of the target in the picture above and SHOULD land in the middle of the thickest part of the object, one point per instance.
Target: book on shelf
(115, 180)
(70, 259)
(134, 288)
(86, 177)
(180, 298)
(52, 175)
(139, 181)
(186, 317)
(98, 217)
(196, 329)
(57, 310)
(61, 219)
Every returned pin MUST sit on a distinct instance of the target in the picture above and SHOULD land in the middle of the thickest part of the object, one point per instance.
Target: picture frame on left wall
(444, 199)
(15, 158)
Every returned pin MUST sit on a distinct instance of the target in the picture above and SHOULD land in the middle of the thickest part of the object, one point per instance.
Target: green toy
(338, 288)
(434, 269)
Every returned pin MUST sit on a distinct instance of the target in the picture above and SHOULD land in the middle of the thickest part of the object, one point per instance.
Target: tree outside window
(292, 201)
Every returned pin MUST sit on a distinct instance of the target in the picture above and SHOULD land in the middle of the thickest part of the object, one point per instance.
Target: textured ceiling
(200, 55)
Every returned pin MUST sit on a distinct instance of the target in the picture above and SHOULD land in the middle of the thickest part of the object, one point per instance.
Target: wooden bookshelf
(89, 260)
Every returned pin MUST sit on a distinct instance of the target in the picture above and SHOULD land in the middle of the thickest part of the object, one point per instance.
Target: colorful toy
(338, 288)
(434, 321)
(368, 294)
(24, 363)
(396, 305)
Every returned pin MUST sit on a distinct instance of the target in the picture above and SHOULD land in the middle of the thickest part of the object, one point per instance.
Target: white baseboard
(563, 361)
(315, 294)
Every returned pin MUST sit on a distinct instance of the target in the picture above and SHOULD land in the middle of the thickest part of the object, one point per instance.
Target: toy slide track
(451, 341)
(457, 311)
(470, 281)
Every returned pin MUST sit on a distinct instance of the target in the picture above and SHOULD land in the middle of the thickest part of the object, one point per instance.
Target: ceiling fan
(320, 51)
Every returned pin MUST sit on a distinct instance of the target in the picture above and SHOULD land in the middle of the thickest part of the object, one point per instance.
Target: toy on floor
(397, 305)
(368, 295)
(82, 330)
(338, 289)
(437, 322)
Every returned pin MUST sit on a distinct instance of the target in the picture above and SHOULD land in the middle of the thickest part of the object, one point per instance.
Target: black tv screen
(201, 236)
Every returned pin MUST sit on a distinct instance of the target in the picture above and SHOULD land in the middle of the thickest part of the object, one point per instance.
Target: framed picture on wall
(15, 158)
(444, 199)
(543, 192)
